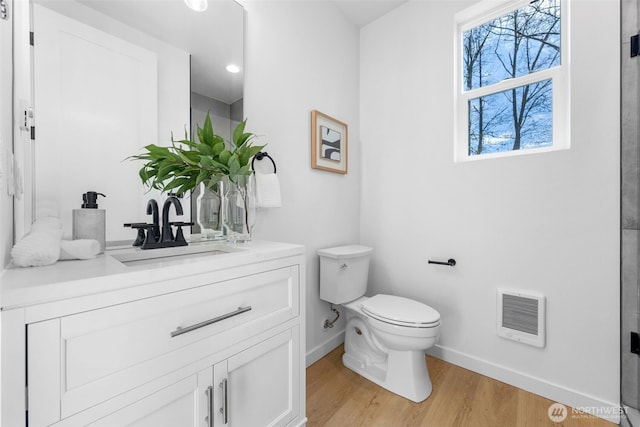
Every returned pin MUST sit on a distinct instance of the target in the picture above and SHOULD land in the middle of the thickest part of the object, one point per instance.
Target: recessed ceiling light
(197, 5)
(232, 68)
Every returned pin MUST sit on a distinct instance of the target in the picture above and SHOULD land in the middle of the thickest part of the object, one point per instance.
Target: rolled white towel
(267, 190)
(79, 249)
(37, 249)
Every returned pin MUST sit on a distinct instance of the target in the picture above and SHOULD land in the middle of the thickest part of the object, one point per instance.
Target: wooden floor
(338, 397)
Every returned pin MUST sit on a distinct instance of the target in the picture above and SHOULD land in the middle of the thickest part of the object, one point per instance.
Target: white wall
(544, 222)
(302, 56)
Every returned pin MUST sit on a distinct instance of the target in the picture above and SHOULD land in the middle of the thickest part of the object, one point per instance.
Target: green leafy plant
(185, 164)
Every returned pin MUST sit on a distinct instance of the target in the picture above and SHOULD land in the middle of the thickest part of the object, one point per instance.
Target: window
(511, 84)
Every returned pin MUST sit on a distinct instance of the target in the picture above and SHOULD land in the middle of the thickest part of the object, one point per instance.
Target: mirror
(111, 76)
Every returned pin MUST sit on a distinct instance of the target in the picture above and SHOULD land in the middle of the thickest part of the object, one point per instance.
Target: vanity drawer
(107, 351)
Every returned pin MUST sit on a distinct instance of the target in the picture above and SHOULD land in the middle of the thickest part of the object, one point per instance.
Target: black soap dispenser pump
(89, 222)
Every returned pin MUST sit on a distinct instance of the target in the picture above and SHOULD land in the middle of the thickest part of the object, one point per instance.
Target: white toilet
(386, 336)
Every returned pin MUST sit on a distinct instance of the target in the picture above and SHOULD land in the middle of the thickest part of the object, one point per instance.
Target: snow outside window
(511, 87)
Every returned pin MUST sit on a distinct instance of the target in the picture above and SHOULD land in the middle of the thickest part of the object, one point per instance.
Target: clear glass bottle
(209, 207)
(240, 210)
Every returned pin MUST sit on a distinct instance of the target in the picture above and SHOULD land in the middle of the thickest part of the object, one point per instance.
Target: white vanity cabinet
(219, 348)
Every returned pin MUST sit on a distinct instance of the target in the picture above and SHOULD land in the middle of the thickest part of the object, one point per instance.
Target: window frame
(477, 15)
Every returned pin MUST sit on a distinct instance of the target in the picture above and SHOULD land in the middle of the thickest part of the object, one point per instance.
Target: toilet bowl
(391, 355)
(386, 336)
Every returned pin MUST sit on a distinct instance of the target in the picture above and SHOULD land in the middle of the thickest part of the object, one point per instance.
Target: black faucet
(152, 209)
(167, 234)
(150, 236)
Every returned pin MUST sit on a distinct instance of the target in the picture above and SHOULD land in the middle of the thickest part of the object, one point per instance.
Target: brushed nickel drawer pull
(224, 410)
(180, 331)
(209, 418)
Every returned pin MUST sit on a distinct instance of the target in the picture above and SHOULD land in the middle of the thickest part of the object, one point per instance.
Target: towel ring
(261, 155)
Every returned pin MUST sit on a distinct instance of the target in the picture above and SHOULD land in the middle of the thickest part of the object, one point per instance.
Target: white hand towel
(79, 249)
(37, 249)
(267, 190)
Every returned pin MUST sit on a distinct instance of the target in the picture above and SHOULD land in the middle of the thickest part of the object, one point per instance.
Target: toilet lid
(401, 311)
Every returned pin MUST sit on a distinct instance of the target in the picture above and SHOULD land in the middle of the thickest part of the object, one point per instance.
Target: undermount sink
(136, 256)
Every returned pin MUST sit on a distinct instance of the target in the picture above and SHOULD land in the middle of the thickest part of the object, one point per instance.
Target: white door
(259, 387)
(92, 90)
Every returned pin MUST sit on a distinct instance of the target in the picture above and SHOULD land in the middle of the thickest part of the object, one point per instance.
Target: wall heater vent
(521, 317)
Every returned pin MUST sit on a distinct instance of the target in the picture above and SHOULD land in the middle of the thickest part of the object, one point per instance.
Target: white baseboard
(324, 348)
(610, 411)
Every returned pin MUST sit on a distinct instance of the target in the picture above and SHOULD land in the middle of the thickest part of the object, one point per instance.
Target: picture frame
(329, 143)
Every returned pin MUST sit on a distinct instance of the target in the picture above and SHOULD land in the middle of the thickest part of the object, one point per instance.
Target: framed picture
(329, 143)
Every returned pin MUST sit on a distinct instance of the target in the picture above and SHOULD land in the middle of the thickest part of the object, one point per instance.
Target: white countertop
(21, 287)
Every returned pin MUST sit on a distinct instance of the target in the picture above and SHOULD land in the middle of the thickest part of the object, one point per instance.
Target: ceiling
(363, 12)
(215, 34)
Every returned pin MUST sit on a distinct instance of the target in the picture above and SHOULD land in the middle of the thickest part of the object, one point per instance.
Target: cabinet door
(259, 387)
(185, 403)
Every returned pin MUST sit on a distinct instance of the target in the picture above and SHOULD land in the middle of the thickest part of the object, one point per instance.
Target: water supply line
(329, 323)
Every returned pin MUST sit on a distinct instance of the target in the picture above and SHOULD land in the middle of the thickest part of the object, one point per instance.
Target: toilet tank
(343, 273)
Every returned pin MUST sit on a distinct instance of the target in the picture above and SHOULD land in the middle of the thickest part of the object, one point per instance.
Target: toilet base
(404, 373)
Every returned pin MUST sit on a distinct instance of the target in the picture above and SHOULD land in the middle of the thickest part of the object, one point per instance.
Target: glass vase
(209, 212)
(240, 208)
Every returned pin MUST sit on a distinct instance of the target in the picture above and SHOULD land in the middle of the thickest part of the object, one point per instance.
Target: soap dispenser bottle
(90, 222)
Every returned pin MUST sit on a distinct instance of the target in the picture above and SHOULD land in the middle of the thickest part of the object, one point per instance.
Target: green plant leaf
(218, 147)
(187, 143)
(213, 181)
(188, 185)
(234, 164)
(238, 132)
(244, 139)
(206, 162)
(204, 174)
(175, 184)
(164, 170)
(157, 151)
(144, 174)
(244, 170)
(207, 132)
(204, 149)
(187, 156)
(224, 156)
(248, 152)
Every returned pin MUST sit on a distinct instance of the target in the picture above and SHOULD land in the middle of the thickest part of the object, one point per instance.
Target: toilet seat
(400, 311)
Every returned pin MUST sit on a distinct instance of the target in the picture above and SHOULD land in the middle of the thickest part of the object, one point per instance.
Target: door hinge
(31, 37)
(635, 343)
